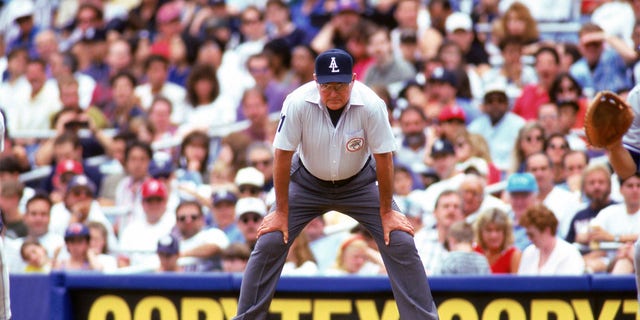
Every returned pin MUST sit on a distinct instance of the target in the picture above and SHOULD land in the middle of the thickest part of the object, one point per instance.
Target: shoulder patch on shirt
(355, 144)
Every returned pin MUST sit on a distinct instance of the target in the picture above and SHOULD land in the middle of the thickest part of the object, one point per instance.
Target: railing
(61, 296)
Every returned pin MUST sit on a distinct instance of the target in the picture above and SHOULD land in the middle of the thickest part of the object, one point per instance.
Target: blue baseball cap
(76, 230)
(444, 76)
(161, 165)
(522, 182)
(334, 65)
(168, 245)
(83, 181)
(442, 147)
(223, 195)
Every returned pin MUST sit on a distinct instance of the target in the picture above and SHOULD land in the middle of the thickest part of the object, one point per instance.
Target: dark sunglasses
(191, 216)
(263, 163)
(247, 218)
(250, 189)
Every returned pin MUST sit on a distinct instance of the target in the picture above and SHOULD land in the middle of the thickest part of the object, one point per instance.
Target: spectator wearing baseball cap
(459, 30)
(161, 165)
(22, 13)
(76, 239)
(444, 158)
(250, 182)
(168, 251)
(140, 236)
(224, 214)
(64, 171)
(79, 205)
(522, 190)
(451, 122)
(162, 168)
(497, 125)
(249, 213)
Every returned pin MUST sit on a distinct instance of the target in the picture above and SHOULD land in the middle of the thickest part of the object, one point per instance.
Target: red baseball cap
(452, 113)
(154, 188)
(65, 166)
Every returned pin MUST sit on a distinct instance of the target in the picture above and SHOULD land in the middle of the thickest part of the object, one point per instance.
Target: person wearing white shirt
(157, 69)
(139, 239)
(498, 126)
(548, 254)
(620, 222)
(33, 108)
(37, 218)
(202, 245)
(561, 202)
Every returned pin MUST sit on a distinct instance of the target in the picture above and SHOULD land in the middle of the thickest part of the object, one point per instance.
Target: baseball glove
(607, 119)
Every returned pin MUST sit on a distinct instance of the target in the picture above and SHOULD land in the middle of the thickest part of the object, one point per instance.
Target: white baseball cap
(457, 21)
(250, 176)
(250, 204)
(20, 9)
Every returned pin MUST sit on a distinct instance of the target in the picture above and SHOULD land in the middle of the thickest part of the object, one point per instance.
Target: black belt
(336, 183)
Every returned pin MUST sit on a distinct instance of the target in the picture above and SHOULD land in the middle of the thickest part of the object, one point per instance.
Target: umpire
(333, 143)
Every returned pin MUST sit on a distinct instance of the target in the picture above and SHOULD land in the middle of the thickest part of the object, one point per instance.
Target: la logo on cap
(334, 65)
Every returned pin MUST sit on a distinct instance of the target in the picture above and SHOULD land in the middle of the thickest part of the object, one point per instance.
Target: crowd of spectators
(139, 131)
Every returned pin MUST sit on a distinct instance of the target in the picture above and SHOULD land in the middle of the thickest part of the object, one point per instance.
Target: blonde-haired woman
(355, 257)
(494, 239)
(472, 148)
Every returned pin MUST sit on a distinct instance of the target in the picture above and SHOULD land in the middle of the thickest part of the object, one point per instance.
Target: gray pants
(309, 198)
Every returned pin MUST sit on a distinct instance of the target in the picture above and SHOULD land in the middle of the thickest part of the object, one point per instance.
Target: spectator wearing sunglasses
(250, 211)
(250, 183)
(199, 245)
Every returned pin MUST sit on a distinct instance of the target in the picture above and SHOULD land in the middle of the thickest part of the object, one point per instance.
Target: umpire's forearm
(281, 178)
(384, 172)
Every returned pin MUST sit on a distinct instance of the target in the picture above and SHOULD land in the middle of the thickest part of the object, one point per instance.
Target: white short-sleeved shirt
(631, 139)
(616, 221)
(334, 153)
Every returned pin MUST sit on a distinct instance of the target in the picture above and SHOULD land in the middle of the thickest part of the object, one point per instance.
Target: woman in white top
(547, 254)
(300, 260)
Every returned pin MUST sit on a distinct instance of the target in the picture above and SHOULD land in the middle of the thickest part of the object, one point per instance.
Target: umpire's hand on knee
(275, 221)
(394, 220)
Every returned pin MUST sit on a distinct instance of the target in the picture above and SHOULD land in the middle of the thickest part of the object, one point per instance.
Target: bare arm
(322, 41)
(391, 219)
(621, 160)
(279, 219)
(204, 250)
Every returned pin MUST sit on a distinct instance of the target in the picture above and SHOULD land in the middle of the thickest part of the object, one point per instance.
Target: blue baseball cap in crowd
(76, 230)
(443, 75)
(334, 65)
(168, 245)
(522, 182)
(223, 195)
(83, 181)
(442, 147)
(161, 165)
